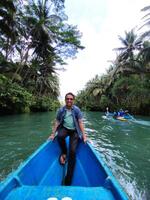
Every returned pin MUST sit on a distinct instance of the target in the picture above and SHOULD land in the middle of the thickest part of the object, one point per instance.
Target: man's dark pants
(73, 142)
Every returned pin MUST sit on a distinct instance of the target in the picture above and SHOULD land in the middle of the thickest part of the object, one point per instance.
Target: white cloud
(100, 22)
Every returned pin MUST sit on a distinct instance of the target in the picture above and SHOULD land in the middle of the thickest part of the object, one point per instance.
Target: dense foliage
(35, 41)
(127, 82)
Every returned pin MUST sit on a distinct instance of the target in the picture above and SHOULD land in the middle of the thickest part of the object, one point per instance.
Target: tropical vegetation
(127, 81)
(35, 41)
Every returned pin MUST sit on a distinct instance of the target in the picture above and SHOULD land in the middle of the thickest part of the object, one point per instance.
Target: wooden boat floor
(59, 192)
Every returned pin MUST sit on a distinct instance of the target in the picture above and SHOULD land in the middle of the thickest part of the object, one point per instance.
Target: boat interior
(42, 174)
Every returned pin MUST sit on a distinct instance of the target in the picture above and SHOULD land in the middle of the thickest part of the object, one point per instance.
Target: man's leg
(62, 134)
(72, 157)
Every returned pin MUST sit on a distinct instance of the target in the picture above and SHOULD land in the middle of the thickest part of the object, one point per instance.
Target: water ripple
(120, 145)
(124, 146)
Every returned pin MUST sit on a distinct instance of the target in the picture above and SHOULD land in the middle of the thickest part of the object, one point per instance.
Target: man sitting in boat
(69, 123)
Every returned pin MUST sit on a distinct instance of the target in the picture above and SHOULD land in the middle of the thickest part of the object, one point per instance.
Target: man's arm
(56, 124)
(81, 125)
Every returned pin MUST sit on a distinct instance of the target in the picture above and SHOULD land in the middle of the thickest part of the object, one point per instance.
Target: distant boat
(120, 118)
(125, 117)
(112, 116)
(40, 177)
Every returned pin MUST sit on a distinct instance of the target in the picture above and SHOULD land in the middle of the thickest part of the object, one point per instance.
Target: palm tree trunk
(23, 62)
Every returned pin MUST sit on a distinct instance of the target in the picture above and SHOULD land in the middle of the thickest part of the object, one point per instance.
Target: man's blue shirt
(76, 114)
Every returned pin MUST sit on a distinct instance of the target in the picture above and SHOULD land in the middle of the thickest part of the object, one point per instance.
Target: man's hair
(70, 93)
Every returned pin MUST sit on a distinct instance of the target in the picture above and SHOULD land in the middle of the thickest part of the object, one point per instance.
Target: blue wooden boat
(40, 177)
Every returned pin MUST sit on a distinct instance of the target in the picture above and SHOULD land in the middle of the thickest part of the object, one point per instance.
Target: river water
(125, 146)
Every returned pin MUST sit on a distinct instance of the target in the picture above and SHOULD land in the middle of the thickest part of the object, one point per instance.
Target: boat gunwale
(110, 175)
(14, 176)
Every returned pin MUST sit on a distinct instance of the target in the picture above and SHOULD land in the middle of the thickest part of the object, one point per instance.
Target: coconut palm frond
(145, 8)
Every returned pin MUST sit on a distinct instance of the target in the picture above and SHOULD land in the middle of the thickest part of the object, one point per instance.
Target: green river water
(125, 146)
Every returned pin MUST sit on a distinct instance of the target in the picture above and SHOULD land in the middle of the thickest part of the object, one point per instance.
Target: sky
(100, 22)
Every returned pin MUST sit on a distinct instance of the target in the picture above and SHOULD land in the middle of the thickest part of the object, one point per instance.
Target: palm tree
(48, 38)
(131, 43)
(7, 26)
(126, 61)
(144, 56)
(146, 22)
(38, 24)
(47, 86)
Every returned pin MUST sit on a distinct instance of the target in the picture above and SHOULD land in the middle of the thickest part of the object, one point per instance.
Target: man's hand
(51, 137)
(84, 136)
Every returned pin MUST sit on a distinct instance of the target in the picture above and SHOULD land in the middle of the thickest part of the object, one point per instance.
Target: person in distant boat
(121, 113)
(107, 112)
(115, 115)
(69, 122)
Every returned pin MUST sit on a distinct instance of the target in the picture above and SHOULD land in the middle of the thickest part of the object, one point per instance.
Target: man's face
(69, 101)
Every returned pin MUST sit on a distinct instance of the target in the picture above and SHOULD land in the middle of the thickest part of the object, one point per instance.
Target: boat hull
(40, 177)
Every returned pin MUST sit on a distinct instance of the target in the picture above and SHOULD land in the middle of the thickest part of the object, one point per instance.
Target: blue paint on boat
(41, 175)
